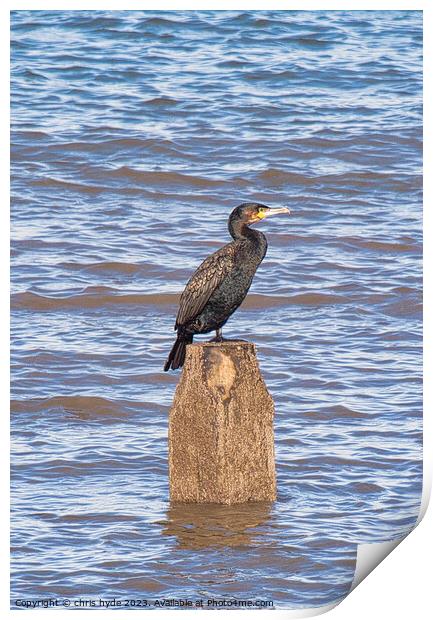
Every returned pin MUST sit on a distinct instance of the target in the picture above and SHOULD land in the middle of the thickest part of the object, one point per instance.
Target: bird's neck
(256, 239)
(240, 230)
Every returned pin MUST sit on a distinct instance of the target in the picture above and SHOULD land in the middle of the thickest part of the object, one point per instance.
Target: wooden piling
(221, 439)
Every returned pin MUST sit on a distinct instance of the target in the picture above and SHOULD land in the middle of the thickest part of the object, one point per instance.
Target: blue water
(134, 134)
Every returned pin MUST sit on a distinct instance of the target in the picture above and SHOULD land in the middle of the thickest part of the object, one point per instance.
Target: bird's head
(251, 212)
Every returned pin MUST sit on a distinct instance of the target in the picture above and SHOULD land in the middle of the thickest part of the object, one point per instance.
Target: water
(134, 134)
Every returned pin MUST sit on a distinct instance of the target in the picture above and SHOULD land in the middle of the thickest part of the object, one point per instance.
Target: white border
(401, 586)
(240, 5)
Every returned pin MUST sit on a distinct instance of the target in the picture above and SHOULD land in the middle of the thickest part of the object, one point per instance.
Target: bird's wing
(203, 283)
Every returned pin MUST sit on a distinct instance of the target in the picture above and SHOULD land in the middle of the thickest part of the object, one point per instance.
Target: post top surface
(225, 343)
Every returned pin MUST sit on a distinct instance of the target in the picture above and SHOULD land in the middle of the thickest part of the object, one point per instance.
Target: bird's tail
(177, 353)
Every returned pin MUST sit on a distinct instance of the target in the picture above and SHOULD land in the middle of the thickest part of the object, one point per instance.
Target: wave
(275, 176)
(61, 184)
(86, 300)
(334, 413)
(92, 21)
(98, 297)
(31, 135)
(164, 178)
(127, 174)
(161, 21)
(408, 308)
(367, 488)
(367, 178)
(161, 101)
(111, 267)
(257, 76)
(406, 245)
(117, 144)
(257, 300)
(314, 42)
(85, 407)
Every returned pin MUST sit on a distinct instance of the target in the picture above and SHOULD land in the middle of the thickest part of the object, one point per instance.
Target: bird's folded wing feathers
(202, 284)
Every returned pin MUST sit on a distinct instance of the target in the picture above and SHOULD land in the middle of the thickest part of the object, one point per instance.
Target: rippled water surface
(134, 134)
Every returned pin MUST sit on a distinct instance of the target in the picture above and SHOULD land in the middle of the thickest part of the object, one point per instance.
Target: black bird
(220, 284)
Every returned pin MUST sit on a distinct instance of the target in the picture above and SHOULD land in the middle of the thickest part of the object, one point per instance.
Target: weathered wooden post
(221, 439)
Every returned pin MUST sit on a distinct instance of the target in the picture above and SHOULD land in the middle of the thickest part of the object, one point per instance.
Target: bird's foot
(218, 339)
(218, 336)
(221, 339)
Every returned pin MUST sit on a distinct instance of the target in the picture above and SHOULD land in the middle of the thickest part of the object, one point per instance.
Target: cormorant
(220, 284)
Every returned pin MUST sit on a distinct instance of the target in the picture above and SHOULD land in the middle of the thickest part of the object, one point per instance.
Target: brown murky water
(134, 134)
